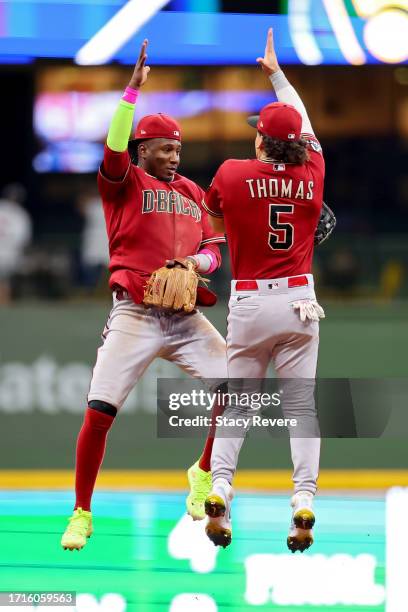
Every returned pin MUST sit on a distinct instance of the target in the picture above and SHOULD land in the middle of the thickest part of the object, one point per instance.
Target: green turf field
(155, 559)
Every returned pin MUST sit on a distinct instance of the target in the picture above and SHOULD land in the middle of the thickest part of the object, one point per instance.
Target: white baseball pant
(135, 335)
(264, 327)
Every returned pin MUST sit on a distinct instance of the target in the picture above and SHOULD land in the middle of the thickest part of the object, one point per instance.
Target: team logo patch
(314, 144)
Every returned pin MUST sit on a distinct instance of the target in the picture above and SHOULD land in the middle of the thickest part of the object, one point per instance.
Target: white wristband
(203, 262)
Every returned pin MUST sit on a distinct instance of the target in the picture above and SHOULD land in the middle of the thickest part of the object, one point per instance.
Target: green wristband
(121, 127)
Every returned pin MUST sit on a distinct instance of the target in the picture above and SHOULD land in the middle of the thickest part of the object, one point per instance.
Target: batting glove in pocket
(308, 309)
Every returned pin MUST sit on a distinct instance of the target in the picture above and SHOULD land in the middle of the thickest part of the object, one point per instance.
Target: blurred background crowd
(53, 243)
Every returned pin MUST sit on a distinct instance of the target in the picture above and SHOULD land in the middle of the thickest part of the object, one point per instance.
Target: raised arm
(121, 124)
(285, 92)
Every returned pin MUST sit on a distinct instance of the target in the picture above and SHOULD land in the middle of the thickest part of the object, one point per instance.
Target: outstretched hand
(140, 72)
(269, 62)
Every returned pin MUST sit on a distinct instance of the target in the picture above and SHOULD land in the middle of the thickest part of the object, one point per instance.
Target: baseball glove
(174, 286)
(326, 225)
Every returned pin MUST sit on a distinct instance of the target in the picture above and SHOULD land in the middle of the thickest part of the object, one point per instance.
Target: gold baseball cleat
(303, 519)
(217, 508)
(299, 542)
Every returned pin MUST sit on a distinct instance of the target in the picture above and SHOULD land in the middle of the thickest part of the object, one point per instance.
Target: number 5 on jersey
(282, 238)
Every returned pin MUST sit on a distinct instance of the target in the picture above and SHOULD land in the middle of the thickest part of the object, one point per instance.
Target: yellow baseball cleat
(217, 508)
(78, 530)
(303, 519)
(200, 486)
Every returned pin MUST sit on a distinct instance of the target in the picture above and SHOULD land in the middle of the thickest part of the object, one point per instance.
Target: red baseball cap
(157, 126)
(278, 120)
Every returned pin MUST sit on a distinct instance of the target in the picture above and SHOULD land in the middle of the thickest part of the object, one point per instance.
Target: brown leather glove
(174, 286)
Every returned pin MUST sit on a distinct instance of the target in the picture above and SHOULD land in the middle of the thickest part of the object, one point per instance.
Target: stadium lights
(367, 8)
(301, 32)
(114, 34)
(386, 36)
(343, 29)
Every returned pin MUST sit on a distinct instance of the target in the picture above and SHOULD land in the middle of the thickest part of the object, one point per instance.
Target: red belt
(297, 281)
(252, 285)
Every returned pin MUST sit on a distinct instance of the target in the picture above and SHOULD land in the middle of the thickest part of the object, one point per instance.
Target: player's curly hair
(286, 152)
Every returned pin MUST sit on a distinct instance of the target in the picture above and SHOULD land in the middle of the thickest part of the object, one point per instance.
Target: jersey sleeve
(209, 236)
(212, 202)
(114, 172)
(316, 159)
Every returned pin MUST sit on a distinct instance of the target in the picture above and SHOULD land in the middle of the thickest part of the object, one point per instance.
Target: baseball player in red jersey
(269, 208)
(152, 215)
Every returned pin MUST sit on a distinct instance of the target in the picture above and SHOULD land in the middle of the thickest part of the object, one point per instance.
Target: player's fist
(140, 72)
(269, 62)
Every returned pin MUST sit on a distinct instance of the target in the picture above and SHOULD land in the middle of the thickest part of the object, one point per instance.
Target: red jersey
(270, 212)
(149, 221)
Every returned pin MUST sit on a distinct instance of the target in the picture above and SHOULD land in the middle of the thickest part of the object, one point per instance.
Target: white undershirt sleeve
(285, 92)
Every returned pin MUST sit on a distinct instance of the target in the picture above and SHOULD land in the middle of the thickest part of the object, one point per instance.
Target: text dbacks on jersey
(163, 201)
(280, 188)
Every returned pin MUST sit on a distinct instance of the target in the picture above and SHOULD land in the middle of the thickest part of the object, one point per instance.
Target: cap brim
(152, 138)
(253, 120)
(144, 138)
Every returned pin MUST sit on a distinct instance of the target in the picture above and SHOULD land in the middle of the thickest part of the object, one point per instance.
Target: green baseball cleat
(200, 485)
(78, 530)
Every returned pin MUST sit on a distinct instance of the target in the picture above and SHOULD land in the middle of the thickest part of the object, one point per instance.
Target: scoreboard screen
(204, 32)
